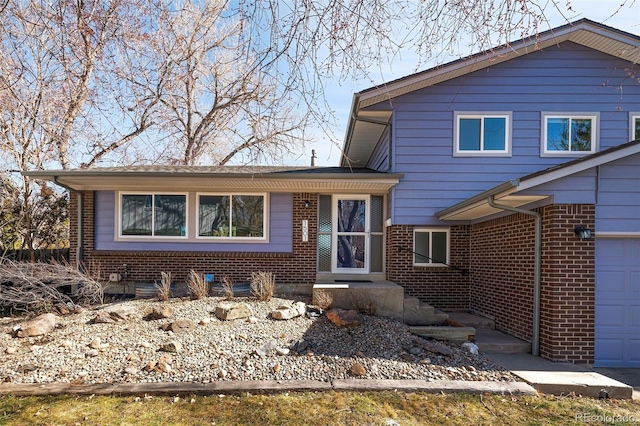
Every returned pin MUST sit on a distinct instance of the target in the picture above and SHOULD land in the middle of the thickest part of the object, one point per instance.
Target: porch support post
(535, 335)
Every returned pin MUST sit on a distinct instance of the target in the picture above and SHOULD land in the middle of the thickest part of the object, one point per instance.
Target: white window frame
(595, 129)
(506, 152)
(633, 116)
(430, 263)
(230, 239)
(119, 234)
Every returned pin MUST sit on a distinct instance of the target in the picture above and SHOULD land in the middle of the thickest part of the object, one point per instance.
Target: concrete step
(444, 332)
(471, 320)
(416, 312)
(494, 341)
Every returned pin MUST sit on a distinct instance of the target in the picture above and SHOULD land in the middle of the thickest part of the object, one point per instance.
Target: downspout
(535, 337)
(79, 214)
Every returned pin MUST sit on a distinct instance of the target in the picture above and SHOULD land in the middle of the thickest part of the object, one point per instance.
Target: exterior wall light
(306, 204)
(583, 233)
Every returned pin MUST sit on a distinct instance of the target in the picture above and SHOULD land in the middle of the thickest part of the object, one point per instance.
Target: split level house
(505, 184)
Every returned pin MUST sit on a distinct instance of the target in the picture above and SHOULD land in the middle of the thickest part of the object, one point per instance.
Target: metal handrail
(455, 268)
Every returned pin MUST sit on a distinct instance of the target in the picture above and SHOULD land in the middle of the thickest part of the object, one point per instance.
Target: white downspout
(535, 335)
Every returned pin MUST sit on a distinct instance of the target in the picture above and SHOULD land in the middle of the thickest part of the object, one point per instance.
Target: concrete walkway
(558, 378)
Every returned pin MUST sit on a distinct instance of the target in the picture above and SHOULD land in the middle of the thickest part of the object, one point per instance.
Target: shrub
(227, 286)
(322, 299)
(198, 287)
(363, 302)
(263, 285)
(164, 288)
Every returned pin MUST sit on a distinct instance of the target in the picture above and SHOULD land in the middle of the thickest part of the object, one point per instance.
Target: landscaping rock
(289, 312)
(344, 318)
(267, 348)
(120, 312)
(38, 326)
(172, 347)
(433, 347)
(179, 325)
(103, 318)
(357, 369)
(161, 312)
(230, 311)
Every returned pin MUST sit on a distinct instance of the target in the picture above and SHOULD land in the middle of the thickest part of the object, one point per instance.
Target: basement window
(430, 247)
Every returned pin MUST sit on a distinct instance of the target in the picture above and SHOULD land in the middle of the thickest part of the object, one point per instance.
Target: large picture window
(482, 134)
(231, 216)
(430, 247)
(153, 215)
(569, 134)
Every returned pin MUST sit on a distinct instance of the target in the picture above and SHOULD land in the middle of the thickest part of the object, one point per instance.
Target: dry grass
(263, 285)
(322, 299)
(328, 408)
(227, 286)
(364, 303)
(164, 288)
(198, 287)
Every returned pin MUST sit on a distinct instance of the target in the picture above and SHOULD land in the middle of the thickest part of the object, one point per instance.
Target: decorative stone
(172, 346)
(433, 347)
(103, 318)
(299, 346)
(344, 318)
(38, 326)
(357, 369)
(161, 312)
(10, 351)
(229, 311)
(205, 321)
(267, 348)
(181, 325)
(252, 320)
(92, 353)
(282, 351)
(67, 344)
(131, 370)
(120, 312)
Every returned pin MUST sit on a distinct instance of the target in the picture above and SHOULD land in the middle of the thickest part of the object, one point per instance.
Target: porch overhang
(478, 207)
(185, 178)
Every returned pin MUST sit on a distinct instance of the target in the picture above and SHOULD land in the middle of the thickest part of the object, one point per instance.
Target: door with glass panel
(350, 234)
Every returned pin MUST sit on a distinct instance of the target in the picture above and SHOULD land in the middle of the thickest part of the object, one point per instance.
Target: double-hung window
(231, 216)
(482, 134)
(634, 132)
(569, 134)
(153, 215)
(430, 247)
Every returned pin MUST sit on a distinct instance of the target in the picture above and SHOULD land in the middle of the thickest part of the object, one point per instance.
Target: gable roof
(220, 178)
(365, 127)
(509, 192)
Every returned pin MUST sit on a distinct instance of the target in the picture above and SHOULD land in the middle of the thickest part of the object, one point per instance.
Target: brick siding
(297, 267)
(444, 288)
(502, 264)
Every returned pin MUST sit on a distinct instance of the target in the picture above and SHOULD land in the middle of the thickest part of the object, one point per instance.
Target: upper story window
(231, 216)
(569, 134)
(153, 215)
(430, 247)
(634, 132)
(482, 134)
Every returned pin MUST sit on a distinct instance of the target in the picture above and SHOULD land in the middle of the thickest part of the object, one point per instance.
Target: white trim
(149, 238)
(595, 129)
(617, 234)
(431, 230)
(334, 233)
(633, 116)
(230, 239)
(506, 152)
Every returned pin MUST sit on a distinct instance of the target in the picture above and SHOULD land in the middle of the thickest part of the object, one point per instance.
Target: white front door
(351, 233)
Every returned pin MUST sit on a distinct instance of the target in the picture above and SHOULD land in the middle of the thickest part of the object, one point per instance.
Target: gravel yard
(258, 348)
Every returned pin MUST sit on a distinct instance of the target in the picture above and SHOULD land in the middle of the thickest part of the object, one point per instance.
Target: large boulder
(289, 312)
(179, 325)
(120, 312)
(37, 326)
(344, 318)
(230, 311)
(161, 312)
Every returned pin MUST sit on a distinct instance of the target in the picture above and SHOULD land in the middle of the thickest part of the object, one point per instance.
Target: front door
(351, 233)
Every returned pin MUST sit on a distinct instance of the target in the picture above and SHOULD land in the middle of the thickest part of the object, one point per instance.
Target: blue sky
(339, 95)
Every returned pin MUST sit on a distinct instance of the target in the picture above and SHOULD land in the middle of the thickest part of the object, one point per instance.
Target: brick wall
(441, 287)
(297, 267)
(502, 264)
(568, 290)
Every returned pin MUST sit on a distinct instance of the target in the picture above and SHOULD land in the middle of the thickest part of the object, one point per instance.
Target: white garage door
(617, 328)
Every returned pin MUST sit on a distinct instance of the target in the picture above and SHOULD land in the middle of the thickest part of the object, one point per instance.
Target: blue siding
(618, 208)
(280, 230)
(565, 78)
(379, 159)
(579, 188)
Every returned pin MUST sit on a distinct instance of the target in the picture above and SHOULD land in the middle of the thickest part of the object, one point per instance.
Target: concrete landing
(385, 296)
(494, 341)
(557, 378)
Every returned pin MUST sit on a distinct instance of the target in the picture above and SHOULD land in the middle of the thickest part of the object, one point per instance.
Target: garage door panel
(617, 305)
